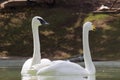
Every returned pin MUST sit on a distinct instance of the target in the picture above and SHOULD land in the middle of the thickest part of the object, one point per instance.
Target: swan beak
(47, 23)
(93, 28)
(42, 21)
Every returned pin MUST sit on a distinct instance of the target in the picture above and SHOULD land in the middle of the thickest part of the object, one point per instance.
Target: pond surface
(103, 73)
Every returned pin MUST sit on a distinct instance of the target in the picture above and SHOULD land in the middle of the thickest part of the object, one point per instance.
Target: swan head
(38, 21)
(89, 26)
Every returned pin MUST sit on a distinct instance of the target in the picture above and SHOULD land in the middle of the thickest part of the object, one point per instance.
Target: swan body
(62, 68)
(90, 77)
(31, 65)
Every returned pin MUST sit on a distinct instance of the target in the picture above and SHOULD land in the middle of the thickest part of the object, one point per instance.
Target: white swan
(30, 66)
(89, 77)
(63, 68)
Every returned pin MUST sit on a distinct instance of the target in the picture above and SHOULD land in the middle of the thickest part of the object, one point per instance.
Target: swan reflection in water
(90, 77)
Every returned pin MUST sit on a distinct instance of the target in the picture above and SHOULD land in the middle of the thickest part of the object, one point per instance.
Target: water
(103, 73)
(10, 74)
(107, 73)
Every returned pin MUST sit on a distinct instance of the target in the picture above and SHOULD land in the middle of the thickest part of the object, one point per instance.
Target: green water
(103, 73)
(10, 74)
(106, 73)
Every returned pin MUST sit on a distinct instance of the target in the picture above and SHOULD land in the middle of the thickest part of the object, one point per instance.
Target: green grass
(94, 17)
(106, 42)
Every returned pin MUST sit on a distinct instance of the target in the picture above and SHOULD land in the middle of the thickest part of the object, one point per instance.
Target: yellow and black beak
(93, 28)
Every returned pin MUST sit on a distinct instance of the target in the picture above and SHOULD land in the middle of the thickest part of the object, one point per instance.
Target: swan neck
(86, 51)
(36, 46)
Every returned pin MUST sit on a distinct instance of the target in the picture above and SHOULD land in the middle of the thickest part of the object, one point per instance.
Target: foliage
(16, 35)
(63, 37)
(107, 36)
(92, 17)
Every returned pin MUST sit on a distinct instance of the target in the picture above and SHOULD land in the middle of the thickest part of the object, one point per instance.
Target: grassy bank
(63, 37)
(106, 40)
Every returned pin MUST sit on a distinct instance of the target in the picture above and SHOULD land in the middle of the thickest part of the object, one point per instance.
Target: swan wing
(62, 68)
(28, 69)
(44, 63)
(26, 66)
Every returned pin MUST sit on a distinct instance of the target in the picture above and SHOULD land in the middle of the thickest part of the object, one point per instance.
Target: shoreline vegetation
(63, 37)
